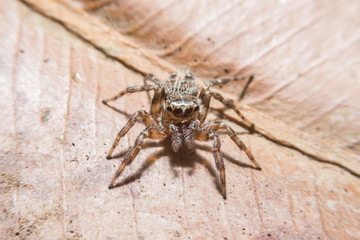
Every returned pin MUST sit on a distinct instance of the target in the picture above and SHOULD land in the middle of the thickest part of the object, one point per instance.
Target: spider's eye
(197, 108)
(167, 102)
(189, 76)
(177, 112)
(188, 111)
(169, 108)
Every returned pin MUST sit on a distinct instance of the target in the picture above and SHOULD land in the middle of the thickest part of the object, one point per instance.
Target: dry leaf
(56, 132)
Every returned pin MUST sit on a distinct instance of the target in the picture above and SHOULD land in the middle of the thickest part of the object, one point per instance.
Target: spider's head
(180, 107)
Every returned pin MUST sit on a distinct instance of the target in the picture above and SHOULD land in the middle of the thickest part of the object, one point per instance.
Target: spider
(179, 110)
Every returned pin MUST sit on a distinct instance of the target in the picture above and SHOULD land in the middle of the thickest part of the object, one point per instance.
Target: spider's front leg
(205, 97)
(215, 126)
(150, 132)
(146, 118)
(133, 89)
(205, 135)
(222, 81)
(152, 78)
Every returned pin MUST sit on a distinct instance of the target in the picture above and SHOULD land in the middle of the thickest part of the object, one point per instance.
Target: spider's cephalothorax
(180, 103)
(179, 109)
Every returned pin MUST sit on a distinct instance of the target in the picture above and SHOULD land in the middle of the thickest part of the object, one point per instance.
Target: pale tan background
(55, 132)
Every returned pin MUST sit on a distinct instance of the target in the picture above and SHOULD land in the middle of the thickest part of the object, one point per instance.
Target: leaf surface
(56, 132)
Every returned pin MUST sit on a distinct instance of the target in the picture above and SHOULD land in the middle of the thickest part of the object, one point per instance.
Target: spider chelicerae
(179, 109)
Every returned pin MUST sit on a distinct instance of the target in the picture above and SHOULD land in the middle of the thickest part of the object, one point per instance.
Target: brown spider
(179, 109)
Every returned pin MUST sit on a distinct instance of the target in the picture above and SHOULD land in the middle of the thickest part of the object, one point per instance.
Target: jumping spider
(179, 109)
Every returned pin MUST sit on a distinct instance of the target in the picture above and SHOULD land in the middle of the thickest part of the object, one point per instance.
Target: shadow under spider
(118, 110)
(184, 158)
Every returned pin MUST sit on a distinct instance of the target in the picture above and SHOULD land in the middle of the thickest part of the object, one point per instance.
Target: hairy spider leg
(146, 118)
(222, 81)
(205, 135)
(133, 89)
(159, 94)
(215, 126)
(206, 95)
(152, 78)
(150, 132)
(157, 98)
(156, 103)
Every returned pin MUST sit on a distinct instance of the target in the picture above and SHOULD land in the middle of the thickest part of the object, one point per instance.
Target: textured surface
(305, 54)
(55, 133)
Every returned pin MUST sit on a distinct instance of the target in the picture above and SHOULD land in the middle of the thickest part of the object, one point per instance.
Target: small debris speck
(177, 234)
(45, 115)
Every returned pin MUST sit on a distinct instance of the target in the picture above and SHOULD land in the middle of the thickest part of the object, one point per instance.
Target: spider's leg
(206, 95)
(159, 96)
(152, 78)
(150, 132)
(219, 162)
(209, 134)
(146, 87)
(243, 92)
(222, 81)
(146, 119)
(220, 125)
